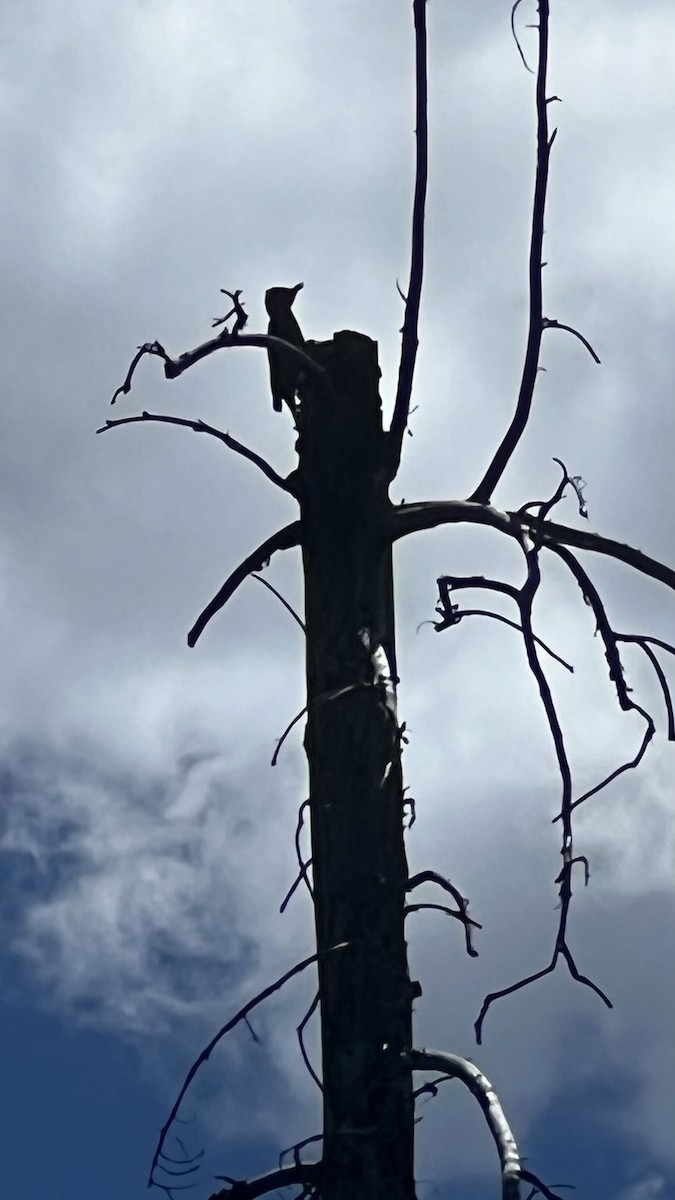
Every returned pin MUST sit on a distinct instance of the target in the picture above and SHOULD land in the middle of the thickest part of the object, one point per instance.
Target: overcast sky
(154, 151)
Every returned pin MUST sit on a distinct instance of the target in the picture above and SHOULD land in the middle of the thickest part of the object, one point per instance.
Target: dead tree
(346, 527)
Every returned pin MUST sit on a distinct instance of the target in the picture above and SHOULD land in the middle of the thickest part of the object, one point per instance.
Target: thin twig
(200, 426)
(301, 1039)
(516, 40)
(409, 341)
(287, 730)
(302, 875)
(460, 613)
(460, 900)
(450, 912)
(289, 607)
(283, 539)
(548, 323)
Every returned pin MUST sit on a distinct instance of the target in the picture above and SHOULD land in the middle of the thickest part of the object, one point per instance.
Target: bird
(284, 366)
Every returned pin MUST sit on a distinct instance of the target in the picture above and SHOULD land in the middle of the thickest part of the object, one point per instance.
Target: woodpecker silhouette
(284, 367)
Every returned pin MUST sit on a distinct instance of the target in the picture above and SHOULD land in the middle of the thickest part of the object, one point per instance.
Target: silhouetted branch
(283, 539)
(409, 341)
(516, 40)
(564, 879)
(200, 426)
(237, 311)
(460, 900)
(173, 367)
(297, 1147)
(486, 487)
(250, 1189)
(450, 912)
(549, 323)
(301, 1039)
(289, 607)
(644, 644)
(455, 1067)
(538, 1186)
(458, 614)
(429, 514)
(302, 865)
(206, 1052)
(287, 730)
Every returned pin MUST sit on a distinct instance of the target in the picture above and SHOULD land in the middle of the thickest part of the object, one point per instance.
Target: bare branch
(283, 539)
(627, 766)
(450, 912)
(297, 1147)
(302, 875)
(412, 304)
(460, 900)
(551, 324)
(459, 614)
(411, 518)
(537, 1184)
(237, 311)
(486, 487)
(516, 40)
(173, 367)
(287, 730)
(479, 1085)
(643, 643)
(564, 879)
(200, 426)
(289, 607)
(250, 1189)
(592, 599)
(301, 1039)
(207, 1051)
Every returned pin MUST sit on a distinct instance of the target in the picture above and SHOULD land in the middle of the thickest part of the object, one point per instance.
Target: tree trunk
(356, 796)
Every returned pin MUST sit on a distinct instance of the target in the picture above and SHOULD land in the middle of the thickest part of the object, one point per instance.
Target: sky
(153, 152)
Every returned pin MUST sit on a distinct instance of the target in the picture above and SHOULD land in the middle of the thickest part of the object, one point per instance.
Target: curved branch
(456, 1067)
(300, 1031)
(283, 539)
(430, 514)
(486, 487)
(412, 304)
(200, 426)
(173, 367)
(461, 613)
(287, 730)
(549, 323)
(516, 39)
(460, 900)
(207, 1051)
